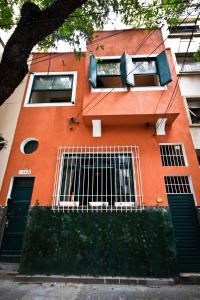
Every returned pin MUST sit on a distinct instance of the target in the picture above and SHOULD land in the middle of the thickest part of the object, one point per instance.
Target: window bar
(110, 166)
(115, 178)
(76, 178)
(93, 170)
(177, 155)
(129, 175)
(55, 192)
(79, 175)
(137, 185)
(62, 160)
(65, 175)
(102, 169)
(70, 176)
(106, 160)
(97, 154)
(166, 158)
(119, 196)
(88, 174)
(124, 176)
(83, 187)
(184, 186)
(139, 178)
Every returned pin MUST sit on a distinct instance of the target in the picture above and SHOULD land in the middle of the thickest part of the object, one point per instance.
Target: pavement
(10, 289)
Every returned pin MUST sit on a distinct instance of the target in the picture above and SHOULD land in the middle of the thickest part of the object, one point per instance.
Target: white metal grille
(172, 155)
(177, 185)
(98, 178)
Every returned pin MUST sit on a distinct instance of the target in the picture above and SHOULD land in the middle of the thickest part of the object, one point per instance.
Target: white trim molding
(30, 84)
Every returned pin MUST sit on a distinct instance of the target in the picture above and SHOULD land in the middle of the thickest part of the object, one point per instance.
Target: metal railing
(105, 178)
(190, 67)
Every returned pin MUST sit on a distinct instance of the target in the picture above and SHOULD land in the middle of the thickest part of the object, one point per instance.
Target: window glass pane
(142, 67)
(62, 82)
(42, 83)
(108, 68)
(52, 82)
(30, 147)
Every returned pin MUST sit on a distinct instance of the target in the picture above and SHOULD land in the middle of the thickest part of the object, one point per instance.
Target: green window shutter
(163, 69)
(126, 69)
(93, 70)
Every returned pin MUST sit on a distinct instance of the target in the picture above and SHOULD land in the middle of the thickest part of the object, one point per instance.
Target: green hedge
(86, 243)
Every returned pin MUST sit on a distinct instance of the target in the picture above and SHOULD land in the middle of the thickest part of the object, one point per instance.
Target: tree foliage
(45, 22)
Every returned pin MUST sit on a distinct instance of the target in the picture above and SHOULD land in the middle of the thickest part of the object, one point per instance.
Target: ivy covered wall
(114, 244)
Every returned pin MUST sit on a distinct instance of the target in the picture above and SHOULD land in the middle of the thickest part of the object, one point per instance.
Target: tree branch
(34, 25)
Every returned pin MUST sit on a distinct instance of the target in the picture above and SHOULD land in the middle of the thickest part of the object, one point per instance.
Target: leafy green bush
(126, 244)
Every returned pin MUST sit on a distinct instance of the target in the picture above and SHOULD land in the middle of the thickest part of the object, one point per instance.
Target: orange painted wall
(50, 124)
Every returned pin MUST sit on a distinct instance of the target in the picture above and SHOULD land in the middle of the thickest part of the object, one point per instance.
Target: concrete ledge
(96, 280)
(189, 278)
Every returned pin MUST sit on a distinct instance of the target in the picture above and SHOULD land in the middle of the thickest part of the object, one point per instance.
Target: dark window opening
(145, 72)
(172, 155)
(194, 109)
(106, 178)
(108, 74)
(30, 147)
(198, 155)
(52, 89)
(186, 28)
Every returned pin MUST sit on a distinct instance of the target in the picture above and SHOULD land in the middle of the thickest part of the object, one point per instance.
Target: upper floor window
(108, 73)
(51, 89)
(184, 28)
(187, 63)
(129, 71)
(194, 109)
(172, 155)
(145, 72)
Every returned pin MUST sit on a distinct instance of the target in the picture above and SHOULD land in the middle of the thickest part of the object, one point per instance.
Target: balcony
(189, 67)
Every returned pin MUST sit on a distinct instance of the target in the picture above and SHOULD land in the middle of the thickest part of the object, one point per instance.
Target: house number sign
(24, 172)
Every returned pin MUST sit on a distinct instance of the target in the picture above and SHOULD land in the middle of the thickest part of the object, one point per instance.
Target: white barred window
(177, 185)
(106, 177)
(172, 155)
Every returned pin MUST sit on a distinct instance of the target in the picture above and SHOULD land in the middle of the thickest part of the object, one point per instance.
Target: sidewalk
(12, 290)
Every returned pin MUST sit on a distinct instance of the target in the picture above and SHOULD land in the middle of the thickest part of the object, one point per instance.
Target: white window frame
(30, 84)
(184, 153)
(106, 90)
(187, 110)
(147, 88)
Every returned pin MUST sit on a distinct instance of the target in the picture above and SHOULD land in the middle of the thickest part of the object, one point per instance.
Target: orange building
(106, 132)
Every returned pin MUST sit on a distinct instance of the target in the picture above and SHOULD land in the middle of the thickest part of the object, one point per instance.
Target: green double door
(17, 211)
(186, 232)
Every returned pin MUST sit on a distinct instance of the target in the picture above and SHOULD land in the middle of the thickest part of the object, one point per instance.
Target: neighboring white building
(9, 113)
(189, 71)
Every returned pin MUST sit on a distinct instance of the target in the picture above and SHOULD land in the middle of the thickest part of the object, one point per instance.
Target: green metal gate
(186, 231)
(18, 206)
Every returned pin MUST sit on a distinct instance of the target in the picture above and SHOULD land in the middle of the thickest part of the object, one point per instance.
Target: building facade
(184, 41)
(108, 132)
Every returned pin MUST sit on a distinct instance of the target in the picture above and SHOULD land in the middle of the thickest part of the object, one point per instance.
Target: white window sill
(48, 104)
(124, 204)
(98, 203)
(69, 203)
(106, 90)
(195, 125)
(149, 88)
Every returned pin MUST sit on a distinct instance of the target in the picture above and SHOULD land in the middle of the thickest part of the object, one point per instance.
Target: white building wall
(9, 113)
(189, 82)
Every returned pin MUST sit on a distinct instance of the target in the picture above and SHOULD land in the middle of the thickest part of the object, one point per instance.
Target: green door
(186, 232)
(18, 206)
